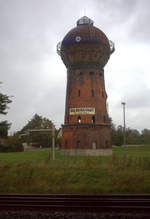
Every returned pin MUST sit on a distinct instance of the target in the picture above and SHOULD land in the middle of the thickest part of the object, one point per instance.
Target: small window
(92, 93)
(93, 119)
(78, 144)
(79, 119)
(80, 74)
(79, 93)
(93, 145)
(100, 74)
(91, 73)
(106, 143)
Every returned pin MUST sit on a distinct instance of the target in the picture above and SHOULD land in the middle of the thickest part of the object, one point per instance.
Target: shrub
(15, 143)
(4, 147)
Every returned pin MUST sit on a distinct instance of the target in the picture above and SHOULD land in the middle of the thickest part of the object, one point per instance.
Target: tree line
(133, 136)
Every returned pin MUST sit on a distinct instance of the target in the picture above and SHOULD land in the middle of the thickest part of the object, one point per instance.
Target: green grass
(32, 172)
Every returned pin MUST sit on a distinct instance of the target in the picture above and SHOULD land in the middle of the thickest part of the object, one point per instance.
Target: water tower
(85, 50)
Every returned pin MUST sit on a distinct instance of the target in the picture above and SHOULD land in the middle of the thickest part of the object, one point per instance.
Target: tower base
(86, 139)
(86, 152)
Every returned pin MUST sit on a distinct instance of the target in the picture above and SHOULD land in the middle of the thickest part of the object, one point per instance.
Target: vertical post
(53, 142)
(124, 131)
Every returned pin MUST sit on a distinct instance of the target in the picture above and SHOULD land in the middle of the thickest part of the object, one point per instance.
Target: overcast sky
(33, 73)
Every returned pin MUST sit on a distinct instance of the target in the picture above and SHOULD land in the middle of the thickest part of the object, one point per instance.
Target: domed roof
(86, 30)
(85, 44)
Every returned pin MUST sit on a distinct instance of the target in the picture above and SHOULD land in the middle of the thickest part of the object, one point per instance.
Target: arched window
(100, 74)
(80, 74)
(94, 145)
(106, 143)
(79, 93)
(92, 93)
(78, 145)
(93, 119)
(91, 73)
(79, 119)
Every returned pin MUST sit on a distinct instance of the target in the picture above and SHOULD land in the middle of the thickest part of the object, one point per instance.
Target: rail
(80, 204)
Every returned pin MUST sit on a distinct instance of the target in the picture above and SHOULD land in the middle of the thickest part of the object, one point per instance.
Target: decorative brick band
(74, 66)
(85, 126)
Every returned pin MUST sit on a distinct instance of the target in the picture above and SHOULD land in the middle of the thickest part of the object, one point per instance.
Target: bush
(4, 147)
(14, 142)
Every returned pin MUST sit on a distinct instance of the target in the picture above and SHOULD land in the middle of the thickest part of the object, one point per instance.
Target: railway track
(101, 204)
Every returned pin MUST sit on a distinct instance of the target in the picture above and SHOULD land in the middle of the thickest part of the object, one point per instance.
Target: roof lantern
(84, 20)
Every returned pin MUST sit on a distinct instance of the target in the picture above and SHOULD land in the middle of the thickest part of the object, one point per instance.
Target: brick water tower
(85, 50)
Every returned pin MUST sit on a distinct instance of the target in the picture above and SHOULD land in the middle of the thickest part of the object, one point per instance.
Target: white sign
(85, 110)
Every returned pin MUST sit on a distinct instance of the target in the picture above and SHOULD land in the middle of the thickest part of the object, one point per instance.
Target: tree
(4, 125)
(4, 101)
(38, 122)
(14, 143)
(133, 136)
(117, 135)
(145, 136)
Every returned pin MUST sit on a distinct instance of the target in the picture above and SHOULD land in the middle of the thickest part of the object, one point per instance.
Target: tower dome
(85, 45)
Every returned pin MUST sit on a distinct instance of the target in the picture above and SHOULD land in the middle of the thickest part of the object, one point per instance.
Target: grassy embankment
(31, 172)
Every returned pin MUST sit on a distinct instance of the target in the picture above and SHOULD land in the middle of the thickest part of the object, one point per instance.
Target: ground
(33, 172)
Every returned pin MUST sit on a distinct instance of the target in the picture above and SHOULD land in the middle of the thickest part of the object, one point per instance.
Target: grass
(32, 172)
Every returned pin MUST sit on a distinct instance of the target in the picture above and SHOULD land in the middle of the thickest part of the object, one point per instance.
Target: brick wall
(87, 135)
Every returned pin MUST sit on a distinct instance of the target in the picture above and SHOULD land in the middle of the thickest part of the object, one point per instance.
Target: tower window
(100, 74)
(106, 143)
(80, 75)
(79, 119)
(93, 119)
(93, 145)
(92, 93)
(79, 93)
(78, 144)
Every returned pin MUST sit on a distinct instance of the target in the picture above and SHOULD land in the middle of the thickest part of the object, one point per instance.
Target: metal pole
(124, 131)
(53, 142)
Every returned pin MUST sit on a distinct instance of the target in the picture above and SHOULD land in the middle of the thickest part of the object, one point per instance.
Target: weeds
(31, 172)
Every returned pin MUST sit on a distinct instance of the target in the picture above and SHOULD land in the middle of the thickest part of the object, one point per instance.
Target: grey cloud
(138, 99)
(140, 27)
